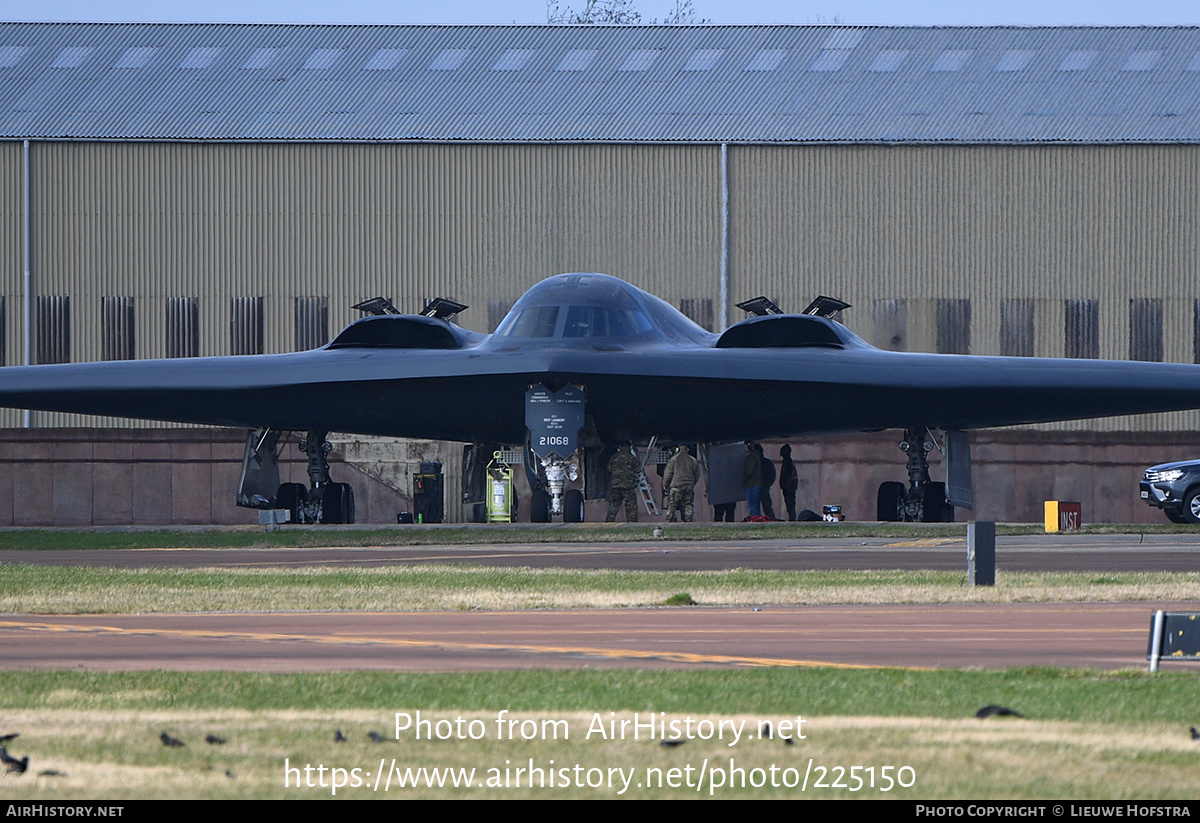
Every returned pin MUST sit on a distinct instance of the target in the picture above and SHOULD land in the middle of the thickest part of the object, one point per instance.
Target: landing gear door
(260, 470)
(958, 468)
(554, 420)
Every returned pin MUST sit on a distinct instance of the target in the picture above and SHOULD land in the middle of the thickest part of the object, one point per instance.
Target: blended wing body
(645, 368)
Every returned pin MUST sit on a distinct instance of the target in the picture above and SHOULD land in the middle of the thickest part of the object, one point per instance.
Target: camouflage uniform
(679, 479)
(623, 468)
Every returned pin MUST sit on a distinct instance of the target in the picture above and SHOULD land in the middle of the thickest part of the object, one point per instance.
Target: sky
(528, 12)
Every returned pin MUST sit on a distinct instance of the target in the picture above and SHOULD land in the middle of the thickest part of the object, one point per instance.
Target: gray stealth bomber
(592, 348)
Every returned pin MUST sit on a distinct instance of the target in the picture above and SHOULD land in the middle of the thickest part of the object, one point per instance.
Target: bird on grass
(670, 744)
(997, 711)
(7, 738)
(376, 736)
(173, 742)
(765, 731)
(14, 766)
(1195, 733)
(338, 737)
(213, 740)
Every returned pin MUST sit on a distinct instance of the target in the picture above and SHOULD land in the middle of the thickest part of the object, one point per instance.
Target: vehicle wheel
(1175, 516)
(289, 496)
(573, 506)
(887, 505)
(1191, 505)
(933, 503)
(539, 508)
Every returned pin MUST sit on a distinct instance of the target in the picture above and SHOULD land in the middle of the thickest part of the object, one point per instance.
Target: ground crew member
(768, 479)
(789, 480)
(752, 479)
(623, 468)
(679, 479)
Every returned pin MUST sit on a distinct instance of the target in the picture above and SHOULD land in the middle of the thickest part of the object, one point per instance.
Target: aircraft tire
(289, 496)
(573, 506)
(539, 508)
(887, 503)
(933, 503)
(337, 504)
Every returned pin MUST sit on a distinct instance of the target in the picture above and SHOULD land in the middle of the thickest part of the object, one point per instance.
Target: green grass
(1123, 697)
(1084, 735)
(87, 590)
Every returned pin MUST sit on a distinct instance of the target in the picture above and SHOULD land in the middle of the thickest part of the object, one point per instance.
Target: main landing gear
(324, 502)
(924, 501)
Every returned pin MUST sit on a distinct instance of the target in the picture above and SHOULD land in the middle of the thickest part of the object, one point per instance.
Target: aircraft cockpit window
(535, 321)
(601, 321)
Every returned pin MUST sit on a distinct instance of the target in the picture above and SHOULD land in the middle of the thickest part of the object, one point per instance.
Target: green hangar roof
(753, 84)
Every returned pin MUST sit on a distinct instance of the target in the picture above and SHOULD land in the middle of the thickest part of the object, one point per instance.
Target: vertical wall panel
(1082, 323)
(183, 327)
(117, 328)
(1016, 328)
(246, 325)
(312, 322)
(954, 326)
(11, 258)
(922, 224)
(1146, 329)
(52, 324)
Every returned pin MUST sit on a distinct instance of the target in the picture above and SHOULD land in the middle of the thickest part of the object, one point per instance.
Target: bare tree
(617, 13)
(683, 14)
(594, 13)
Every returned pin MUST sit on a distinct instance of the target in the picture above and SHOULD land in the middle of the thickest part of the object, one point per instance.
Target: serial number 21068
(562, 440)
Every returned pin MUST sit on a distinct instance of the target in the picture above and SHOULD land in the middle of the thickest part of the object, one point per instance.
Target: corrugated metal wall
(476, 223)
(910, 226)
(923, 224)
(12, 262)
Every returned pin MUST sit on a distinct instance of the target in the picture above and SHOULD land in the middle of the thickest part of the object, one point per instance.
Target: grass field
(80, 590)
(1085, 735)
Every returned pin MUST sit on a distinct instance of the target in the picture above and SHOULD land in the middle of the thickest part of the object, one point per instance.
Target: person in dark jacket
(789, 480)
(768, 480)
(752, 478)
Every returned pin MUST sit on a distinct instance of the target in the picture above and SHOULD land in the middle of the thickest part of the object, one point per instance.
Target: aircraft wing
(679, 392)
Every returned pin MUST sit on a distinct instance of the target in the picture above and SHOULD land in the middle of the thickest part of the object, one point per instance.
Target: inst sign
(1062, 516)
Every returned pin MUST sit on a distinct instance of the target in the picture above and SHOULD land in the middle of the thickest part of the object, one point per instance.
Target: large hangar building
(183, 190)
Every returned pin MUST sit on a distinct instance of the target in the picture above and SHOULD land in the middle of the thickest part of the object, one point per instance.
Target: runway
(1089, 635)
(1084, 635)
(1077, 552)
